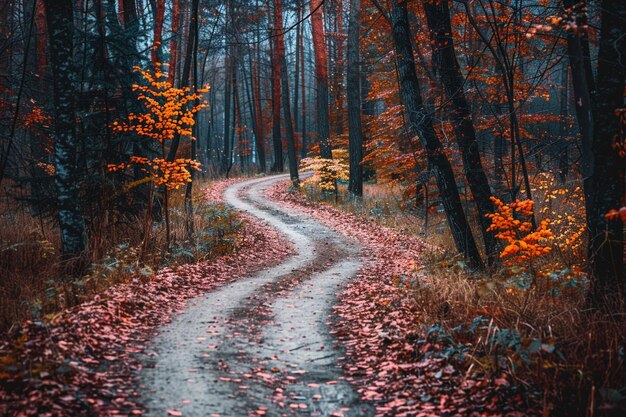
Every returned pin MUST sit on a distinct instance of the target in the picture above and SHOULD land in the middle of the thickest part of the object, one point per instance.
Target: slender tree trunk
(284, 78)
(184, 77)
(563, 160)
(338, 92)
(296, 78)
(276, 136)
(447, 66)
(355, 185)
(606, 238)
(582, 87)
(260, 134)
(159, 14)
(421, 125)
(321, 78)
(192, 44)
(175, 42)
(227, 110)
(304, 150)
(60, 22)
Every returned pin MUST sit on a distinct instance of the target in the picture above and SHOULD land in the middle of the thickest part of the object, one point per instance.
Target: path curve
(261, 345)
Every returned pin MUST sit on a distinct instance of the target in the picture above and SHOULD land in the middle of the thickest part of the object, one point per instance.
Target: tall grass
(528, 323)
(32, 282)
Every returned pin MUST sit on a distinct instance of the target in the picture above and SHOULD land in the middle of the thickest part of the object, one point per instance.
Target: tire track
(262, 345)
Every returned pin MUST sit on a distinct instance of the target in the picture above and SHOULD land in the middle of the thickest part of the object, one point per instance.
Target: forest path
(261, 345)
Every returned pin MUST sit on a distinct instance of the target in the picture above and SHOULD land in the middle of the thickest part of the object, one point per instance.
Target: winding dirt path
(261, 345)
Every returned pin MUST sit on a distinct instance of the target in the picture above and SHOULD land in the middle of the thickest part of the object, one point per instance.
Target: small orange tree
(524, 245)
(168, 113)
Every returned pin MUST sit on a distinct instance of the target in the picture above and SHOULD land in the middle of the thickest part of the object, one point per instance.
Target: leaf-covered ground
(83, 361)
(388, 354)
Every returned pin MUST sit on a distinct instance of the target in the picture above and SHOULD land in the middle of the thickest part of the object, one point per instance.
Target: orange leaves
(169, 110)
(171, 174)
(523, 244)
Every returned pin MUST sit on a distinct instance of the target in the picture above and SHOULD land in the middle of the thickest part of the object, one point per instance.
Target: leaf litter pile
(84, 360)
(389, 356)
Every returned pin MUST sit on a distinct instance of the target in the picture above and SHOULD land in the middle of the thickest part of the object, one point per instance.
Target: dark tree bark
(175, 42)
(303, 127)
(421, 125)
(296, 76)
(227, 110)
(260, 133)
(449, 71)
(186, 72)
(562, 144)
(276, 136)
(355, 185)
(192, 55)
(577, 48)
(159, 13)
(321, 78)
(606, 238)
(60, 23)
(284, 79)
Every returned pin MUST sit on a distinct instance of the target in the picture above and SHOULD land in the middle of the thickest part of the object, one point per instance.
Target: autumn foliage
(168, 112)
(512, 224)
(326, 172)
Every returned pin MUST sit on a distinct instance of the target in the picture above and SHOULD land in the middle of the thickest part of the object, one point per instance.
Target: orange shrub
(523, 243)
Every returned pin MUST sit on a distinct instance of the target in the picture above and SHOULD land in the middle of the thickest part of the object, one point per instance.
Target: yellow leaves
(326, 171)
(523, 244)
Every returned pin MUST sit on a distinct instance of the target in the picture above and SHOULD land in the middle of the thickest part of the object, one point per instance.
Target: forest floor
(328, 332)
(313, 315)
(261, 345)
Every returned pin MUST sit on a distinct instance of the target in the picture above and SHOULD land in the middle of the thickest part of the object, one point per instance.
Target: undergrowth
(524, 323)
(34, 286)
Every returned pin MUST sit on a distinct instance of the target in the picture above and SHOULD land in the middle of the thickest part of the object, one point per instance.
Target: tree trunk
(60, 23)
(606, 239)
(562, 157)
(303, 127)
(184, 77)
(276, 136)
(321, 78)
(421, 125)
(284, 78)
(227, 110)
(338, 92)
(582, 98)
(159, 14)
(260, 133)
(192, 45)
(174, 44)
(447, 66)
(355, 185)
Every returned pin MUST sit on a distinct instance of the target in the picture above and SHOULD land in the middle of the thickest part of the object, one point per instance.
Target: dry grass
(32, 284)
(571, 357)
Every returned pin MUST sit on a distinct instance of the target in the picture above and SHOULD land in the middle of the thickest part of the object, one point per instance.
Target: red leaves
(378, 326)
(82, 361)
(616, 215)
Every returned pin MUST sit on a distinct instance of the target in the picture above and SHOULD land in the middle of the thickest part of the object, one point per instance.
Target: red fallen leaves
(378, 329)
(82, 362)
